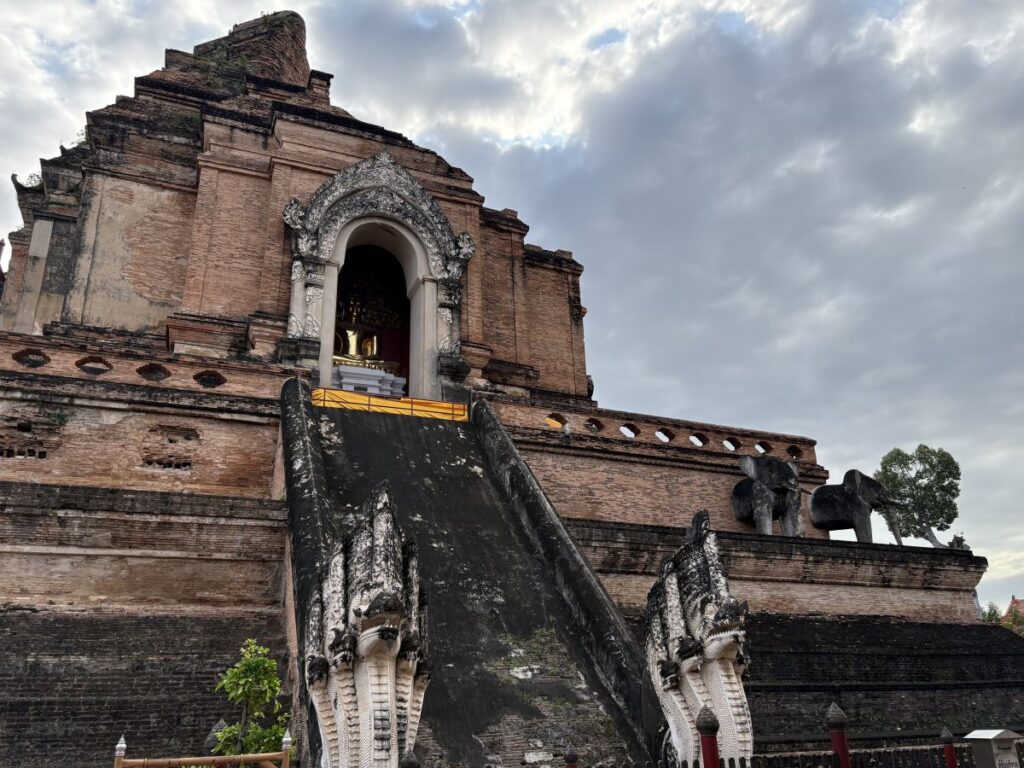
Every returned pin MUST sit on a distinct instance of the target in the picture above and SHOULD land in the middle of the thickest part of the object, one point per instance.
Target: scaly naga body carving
(364, 650)
(695, 648)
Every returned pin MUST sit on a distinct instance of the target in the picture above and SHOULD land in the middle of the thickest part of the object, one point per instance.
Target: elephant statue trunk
(849, 505)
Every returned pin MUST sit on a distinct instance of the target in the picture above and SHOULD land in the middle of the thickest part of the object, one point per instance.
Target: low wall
(65, 431)
(590, 470)
(74, 682)
(83, 547)
(777, 574)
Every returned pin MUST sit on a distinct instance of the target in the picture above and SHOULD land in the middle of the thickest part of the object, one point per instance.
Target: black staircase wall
(511, 674)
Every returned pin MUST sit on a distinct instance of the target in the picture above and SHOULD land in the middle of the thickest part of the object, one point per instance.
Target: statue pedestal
(371, 381)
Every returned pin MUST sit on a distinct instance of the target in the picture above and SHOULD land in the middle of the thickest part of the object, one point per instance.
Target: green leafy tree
(926, 485)
(1014, 620)
(991, 614)
(253, 684)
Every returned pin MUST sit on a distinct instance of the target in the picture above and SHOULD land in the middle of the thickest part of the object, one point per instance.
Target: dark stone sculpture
(770, 492)
(841, 507)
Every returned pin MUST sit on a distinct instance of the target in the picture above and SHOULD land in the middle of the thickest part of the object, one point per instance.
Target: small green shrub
(253, 684)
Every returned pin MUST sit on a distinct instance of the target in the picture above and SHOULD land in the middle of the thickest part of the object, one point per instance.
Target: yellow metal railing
(405, 406)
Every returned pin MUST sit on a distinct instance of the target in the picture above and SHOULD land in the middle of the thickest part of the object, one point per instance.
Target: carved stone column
(297, 304)
(314, 300)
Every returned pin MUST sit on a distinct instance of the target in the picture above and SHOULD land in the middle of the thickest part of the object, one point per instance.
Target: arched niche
(377, 202)
(420, 287)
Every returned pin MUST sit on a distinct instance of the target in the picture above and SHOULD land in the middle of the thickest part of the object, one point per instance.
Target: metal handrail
(325, 397)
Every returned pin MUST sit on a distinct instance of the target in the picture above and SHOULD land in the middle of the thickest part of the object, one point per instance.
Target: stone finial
(947, 736)
(121, 748)
(286, 741)
(835, 718)
(707, 722)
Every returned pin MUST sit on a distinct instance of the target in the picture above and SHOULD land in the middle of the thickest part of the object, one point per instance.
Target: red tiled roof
(1016, 604)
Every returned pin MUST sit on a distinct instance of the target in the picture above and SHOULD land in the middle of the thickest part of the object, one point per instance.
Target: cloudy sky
(795, 215)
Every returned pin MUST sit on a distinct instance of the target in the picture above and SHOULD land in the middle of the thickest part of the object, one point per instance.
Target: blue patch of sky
(608, 37)
(461, 9)
(428, 17)
(55, 58)
(887, 9)
(423, 17)
(734, 24)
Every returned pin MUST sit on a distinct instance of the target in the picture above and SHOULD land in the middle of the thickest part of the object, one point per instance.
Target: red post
(707, 727)
(835, 719)
(948, 740)
(571, 759)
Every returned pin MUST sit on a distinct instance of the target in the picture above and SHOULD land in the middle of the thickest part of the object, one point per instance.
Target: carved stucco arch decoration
(374, 188)
(377, 186)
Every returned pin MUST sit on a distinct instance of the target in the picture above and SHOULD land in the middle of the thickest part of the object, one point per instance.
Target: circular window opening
(794, 452)
(762, 447)
(594, 425)
(732, 444)
(555, 420)
(698, 439)
(665, 435)
(94, 366)
(31, 358)
(209, 379)
(153, 372)
(629, 431)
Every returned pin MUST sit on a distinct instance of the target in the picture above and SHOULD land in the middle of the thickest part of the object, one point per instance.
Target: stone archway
(377, 200)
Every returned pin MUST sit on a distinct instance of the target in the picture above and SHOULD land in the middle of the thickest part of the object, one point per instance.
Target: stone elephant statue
(771, 491)
(849, 505)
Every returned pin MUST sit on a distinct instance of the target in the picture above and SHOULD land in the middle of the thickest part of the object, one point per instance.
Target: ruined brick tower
(226, 239)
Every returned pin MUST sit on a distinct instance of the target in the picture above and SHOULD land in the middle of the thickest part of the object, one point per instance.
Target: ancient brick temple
(205, 293)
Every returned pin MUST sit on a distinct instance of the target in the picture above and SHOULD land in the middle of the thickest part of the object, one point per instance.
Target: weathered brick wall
(73, 683)
(794, 576)
(525, 418)
(497, 262)
(28, 199)
(225, 268)
(78, 547)
(893, 677)
(51, 439)
(272, 46)
(131, 255)
(137, 361)
(179, 214)
(557, 335)
(597, 473)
